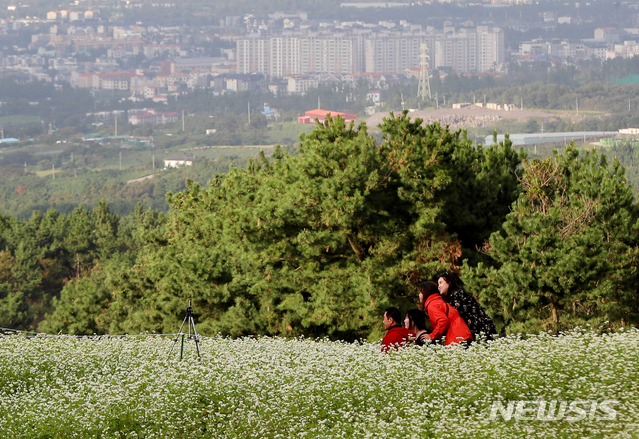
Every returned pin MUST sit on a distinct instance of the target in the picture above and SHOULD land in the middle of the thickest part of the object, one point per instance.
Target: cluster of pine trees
(568, 252)
(319, 243)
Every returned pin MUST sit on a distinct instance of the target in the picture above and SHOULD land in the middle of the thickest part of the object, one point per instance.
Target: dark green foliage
(567, 254)
(478, 199)
(13, 306)
(628, 156)
(52, 252)
(321, 242)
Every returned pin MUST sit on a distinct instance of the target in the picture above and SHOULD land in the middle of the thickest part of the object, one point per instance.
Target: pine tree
(13, 303)
(567, 253)
(321, 242)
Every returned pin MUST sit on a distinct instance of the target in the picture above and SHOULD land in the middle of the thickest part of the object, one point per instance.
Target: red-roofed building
(413, 72)
(321, 115)
(115, 80)
(89, 80)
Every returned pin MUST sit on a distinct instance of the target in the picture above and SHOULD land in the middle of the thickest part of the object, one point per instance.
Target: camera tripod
(188, 320)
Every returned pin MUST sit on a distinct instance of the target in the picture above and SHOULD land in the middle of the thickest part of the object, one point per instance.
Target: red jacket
(397, 336)
(446, 321)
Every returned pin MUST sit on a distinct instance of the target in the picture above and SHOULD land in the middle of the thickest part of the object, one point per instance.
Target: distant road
(146, 177)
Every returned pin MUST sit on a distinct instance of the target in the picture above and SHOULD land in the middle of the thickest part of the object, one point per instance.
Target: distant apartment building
(564, 49)
(282, 55)
(334, 53)
(628, 49)
(156, 50)
(104, 81)
(110, 82)
(610, 35)
(253, 55)
(285, 54)
(188, 64)
(467, 50)
(457, 51)
(394, 52)
(197, 80)
(490, 48)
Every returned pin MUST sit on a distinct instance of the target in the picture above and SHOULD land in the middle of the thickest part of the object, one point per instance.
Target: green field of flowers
(65, 387)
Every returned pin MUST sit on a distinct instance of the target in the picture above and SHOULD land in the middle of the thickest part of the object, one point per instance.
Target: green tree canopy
(567, 254)
(319, 243)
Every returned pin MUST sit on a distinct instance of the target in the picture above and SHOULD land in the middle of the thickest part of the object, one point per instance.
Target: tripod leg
(177, 337)
(197, 339)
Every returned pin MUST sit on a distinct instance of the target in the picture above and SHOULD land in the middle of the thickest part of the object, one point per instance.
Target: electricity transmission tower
(423, 90)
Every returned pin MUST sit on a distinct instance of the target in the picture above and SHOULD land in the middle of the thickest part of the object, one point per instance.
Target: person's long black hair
(428, 289)
(452, 280)
(418, 318)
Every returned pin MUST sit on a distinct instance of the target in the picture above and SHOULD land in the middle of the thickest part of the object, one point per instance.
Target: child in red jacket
(397, 335)
(444, 318)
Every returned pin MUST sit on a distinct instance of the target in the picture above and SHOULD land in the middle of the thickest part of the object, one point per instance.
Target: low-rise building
(76, 15)
(149, 116)
(185, 160)
(321, 115)
(300, 84)
(628, 49)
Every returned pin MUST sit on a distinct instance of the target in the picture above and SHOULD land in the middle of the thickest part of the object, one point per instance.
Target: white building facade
(467, 50)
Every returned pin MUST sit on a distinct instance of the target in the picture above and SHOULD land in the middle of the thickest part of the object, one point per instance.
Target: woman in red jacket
(444, 318)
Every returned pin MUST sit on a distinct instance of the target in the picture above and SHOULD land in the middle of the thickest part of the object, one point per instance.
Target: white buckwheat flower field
(576, 385)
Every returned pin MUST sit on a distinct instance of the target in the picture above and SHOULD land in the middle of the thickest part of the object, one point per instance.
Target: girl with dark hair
(479, 323)
(415, 320)
(444, 318)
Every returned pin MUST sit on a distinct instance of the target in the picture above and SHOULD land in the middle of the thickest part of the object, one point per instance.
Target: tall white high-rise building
(285, 56)
(253, 55)
(394, 51)
(457, 51)
(330, 53)
(490, 48)
(467, 50)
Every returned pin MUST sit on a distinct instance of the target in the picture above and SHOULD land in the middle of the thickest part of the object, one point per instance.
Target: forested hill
(320, 242)
(21, 194)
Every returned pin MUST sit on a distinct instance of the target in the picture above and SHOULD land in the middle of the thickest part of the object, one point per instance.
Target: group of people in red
(455, 316)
